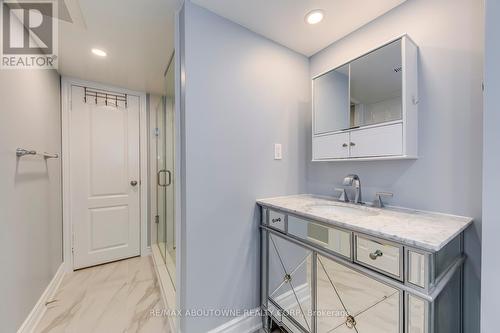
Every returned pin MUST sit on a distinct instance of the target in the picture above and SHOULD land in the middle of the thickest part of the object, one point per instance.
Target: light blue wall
(447, 176)
(30, 195)
(490, 268)
(243, 94)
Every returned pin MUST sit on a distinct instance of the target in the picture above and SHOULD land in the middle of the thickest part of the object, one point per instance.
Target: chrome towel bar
(20, 152)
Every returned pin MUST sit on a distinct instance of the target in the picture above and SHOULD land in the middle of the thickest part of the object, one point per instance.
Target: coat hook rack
(109, 98)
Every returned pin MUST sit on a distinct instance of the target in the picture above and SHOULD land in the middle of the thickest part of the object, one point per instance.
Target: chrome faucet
(353, 180)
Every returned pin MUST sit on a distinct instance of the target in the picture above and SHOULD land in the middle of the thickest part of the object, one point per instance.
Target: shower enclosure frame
(169, 280)
(163, 171)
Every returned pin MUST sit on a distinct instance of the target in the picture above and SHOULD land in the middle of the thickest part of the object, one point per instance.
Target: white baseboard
(242, 324)
(39, 309)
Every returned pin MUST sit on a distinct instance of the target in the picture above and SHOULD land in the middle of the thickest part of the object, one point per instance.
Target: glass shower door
(165, 144)
(161, 178)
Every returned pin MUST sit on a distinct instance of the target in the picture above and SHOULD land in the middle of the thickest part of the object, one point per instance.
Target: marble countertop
(425, 230)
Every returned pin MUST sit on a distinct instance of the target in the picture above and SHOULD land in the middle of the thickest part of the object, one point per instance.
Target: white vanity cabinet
(321, 278)
(367, 108)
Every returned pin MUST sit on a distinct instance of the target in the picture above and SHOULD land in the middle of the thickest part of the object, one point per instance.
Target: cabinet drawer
(377, 141)
(276, 220)
(331, 146)
(379, 255)
(330, 238)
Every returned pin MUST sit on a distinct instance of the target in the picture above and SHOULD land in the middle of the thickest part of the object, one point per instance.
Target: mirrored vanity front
(323, 273)
(367, 108)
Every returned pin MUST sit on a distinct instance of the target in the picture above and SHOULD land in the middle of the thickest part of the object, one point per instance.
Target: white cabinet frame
(409, 118)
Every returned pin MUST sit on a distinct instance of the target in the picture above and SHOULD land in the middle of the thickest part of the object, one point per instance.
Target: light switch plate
(277, 151)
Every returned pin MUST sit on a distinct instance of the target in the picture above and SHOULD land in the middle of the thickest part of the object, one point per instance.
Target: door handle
(158, 178)
(133, 183)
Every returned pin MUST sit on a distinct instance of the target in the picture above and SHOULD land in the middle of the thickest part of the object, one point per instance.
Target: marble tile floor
(115, 297)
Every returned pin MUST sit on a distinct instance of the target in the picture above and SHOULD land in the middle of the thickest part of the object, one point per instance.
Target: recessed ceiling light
(315, 16)
(99, 53)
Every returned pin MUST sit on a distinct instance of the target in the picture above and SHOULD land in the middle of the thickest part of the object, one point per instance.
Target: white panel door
(104, 180)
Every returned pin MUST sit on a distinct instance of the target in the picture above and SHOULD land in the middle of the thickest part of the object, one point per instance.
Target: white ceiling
(283, 21)
(138, 36)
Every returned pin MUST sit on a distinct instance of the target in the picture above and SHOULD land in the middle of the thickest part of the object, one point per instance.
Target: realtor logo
(29, 34)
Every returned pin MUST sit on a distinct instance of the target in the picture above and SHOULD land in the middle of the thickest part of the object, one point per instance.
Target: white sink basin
(342, 210)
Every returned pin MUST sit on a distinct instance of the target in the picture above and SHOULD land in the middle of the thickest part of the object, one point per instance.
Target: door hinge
(157, 219)
(157, 131)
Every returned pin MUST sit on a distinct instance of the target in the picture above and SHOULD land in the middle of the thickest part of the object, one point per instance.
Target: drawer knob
(376, 254)
(350, 322)
(352, 144)
(345, 145)
(278, 219)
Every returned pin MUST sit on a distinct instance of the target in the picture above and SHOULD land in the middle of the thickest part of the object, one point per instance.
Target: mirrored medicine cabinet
(367, 108)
